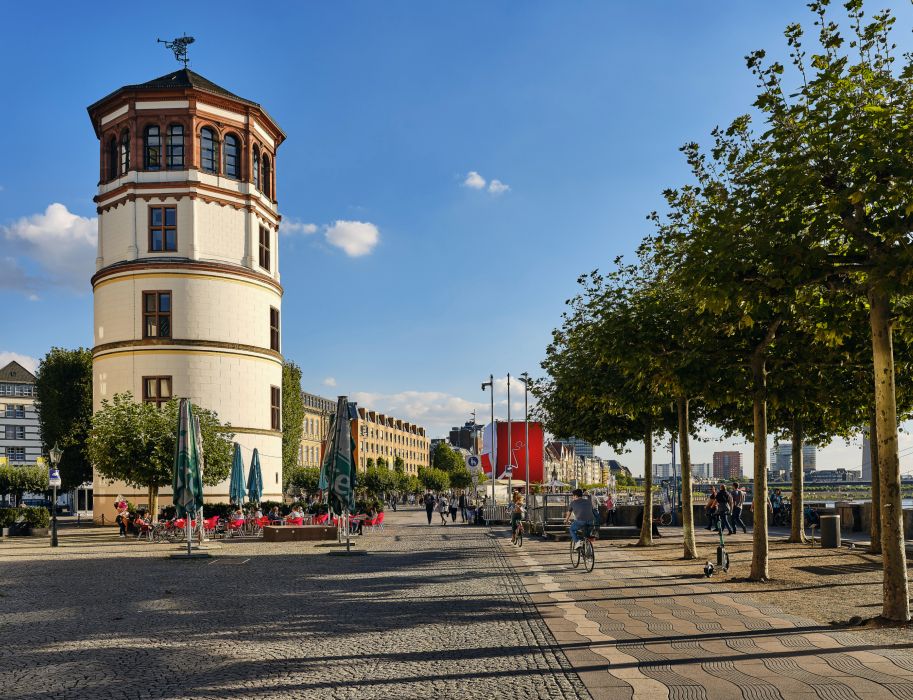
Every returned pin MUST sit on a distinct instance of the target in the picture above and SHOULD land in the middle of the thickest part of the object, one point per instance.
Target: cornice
(184, 266)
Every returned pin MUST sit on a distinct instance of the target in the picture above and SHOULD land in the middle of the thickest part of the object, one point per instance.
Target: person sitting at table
(237, 515)
(358, 523)
(296, 513)
(257, 513)
(274, 515)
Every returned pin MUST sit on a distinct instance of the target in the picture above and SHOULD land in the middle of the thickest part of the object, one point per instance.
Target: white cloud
(290, 227)
(474, 181)
(329, 381)
(356, 238)
(27, 361)
(498, 187)
(59, 242)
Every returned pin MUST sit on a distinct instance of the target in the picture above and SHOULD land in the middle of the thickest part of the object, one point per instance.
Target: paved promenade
(634, 628)
(431, 612)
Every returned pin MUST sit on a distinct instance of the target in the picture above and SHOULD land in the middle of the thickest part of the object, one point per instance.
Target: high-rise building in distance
(727, 465)
(582, 448)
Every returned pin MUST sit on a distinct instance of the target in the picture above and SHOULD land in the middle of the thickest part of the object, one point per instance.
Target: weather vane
(179, 46)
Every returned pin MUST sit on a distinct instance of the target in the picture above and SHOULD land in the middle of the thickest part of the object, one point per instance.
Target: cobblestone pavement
(430, 612)
(636, 628)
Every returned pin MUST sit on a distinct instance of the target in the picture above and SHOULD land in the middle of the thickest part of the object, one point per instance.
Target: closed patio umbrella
(236, 480)
(255, 479)
(187, 477)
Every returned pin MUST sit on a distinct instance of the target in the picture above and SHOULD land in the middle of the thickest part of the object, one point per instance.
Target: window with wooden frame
(267, 177)
(124, 152)
(231, 153)
(163, 229)
(274, 328)
(157, 314)
(275, 408)
(174, 149)
(112, 158)
(255, 167)
(152, 148)
(264, 247)
(156, 390)
(209, 150)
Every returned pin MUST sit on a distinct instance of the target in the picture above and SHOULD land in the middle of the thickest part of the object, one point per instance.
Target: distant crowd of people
(449, 503)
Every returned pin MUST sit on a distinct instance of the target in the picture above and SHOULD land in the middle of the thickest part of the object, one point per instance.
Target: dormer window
(209, 150)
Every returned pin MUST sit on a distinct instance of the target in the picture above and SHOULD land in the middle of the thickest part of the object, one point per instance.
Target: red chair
(143, 530)
(236, 527)
(378, 523)
(295, 521)
(321, 519)
(210, 526)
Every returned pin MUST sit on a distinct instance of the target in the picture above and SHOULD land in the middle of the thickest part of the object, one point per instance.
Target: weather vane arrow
(179, 46)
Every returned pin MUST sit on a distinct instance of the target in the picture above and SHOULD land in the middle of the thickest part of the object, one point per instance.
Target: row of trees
(768, 295)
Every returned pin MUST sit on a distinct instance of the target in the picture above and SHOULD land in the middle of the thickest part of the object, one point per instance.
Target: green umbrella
(255, 479)
(236, 483)
(337, 474)
(187, 477)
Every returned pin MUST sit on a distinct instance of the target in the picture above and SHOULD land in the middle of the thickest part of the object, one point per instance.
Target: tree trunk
(687, 506)
(797, 533)
(896, 604)
(154, 502)
(646, 528)
(760, 547)
(875, 545)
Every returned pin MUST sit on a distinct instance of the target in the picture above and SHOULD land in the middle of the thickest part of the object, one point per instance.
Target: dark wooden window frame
(274, 337)
(264, 248)
(275, 408)
(213, 153)
(164, 229)
(231, 156)
(152, 147)
(124, 152)
(112, 157)
(255, 167)
(174, 148)
(157, 314)
(158, 399)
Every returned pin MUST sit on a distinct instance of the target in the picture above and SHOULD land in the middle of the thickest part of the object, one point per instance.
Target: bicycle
(517, 539)
(585, 552)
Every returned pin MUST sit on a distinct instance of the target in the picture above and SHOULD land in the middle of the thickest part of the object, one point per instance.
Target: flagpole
(510, 450)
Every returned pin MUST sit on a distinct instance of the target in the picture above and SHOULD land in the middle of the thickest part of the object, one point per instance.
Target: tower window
(275, 408)
(230, 152)
(209, 150)
(264, 248)
(156, 390)
(112, 158)
(124, 152)
(174, 153)
(274, 328)
(157, 314)
(163, 229)
(267, 177)
(152, 148)
(255, 167)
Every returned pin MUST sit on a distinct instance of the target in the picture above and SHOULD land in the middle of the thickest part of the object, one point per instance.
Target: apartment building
(315, 424)
(387, 437)
(20, 436)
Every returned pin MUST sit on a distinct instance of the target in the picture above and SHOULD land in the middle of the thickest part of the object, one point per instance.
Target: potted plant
(36, 521)
(8, 521)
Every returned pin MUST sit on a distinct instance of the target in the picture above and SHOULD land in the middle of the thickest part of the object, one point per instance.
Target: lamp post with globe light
(55, 453)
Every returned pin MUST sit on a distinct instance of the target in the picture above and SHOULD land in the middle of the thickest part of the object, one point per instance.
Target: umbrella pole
(189, 530)
(348, 530)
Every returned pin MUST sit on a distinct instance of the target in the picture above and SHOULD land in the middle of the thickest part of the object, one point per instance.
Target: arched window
(112, 158)
(209, 150)
(267, 177)
(152, 148)
(231, 154)
(255, 167)
(174, 151)
(124, 152)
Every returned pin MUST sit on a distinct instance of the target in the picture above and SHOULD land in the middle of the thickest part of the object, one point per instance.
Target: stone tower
(186, 289)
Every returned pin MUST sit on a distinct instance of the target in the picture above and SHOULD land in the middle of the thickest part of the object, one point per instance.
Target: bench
(298, 533)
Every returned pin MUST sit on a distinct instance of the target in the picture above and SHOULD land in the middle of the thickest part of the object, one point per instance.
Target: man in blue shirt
(581, 509)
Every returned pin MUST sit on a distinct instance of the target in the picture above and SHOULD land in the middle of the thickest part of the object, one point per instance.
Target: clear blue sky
(579, 108)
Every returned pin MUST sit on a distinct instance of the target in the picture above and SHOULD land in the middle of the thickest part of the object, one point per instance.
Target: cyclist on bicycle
(582, 511)
(516, 515)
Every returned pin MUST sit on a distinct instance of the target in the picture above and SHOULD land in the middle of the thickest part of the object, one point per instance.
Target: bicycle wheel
(665, 519)
(575, 555)
(589, 555)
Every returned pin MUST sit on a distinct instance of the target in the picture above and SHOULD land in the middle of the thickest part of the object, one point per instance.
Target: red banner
(517, 452)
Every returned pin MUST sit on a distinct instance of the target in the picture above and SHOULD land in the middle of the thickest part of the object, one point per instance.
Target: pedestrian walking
(723, 507)
(710, 508)
(610, 510)
(442, 507)
(429, 505)
(454, 507)
(462, 504)
(738, 500)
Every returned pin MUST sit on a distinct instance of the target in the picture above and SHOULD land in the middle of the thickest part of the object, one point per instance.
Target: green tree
(434, 479)
(18, 480)
(460, 478)
(382, 463)
(369, 463)
(135, 443)
(64, 403)
(398, 464)
(292, 415)
(302, 479)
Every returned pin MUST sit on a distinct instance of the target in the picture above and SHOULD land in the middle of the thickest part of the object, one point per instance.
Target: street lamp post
(55, 453)
(490, 385)
(525, 379)
(510, 450)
